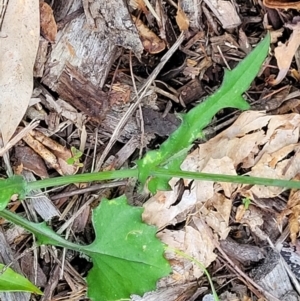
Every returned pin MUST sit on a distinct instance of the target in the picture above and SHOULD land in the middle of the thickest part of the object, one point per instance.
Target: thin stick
(136, 101)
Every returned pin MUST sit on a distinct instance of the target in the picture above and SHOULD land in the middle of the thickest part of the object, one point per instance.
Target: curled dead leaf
(54, 154)
(151, 42)
(282, 4)
(284, 53)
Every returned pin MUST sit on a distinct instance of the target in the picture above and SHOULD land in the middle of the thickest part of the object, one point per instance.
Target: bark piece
(112, 20)
(272, 276)
(74, 88)
(41, 58)
(64, 8)
(244, 253)
(154, 122)
(31, 161)
(225, 12)
(41, 203)
(89, 52)
(29, 270)
(191, 91)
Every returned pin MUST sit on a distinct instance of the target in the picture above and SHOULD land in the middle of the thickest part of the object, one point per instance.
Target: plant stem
(41, 230)
(161, 172)
(88, 177)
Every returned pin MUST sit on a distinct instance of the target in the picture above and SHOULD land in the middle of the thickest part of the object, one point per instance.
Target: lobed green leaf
(127, 256)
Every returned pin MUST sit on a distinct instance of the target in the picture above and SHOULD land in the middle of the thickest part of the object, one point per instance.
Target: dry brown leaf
(18, 47)
(216, 214)
(139, 4)
(182, 20)
(254, 218)
(240, 213)
(46, 154)
(194, 241)
(294, 224)
(284, 53)
(151, 42)
(293, 211)
(282, 4)
(48, 24)
(54, 154)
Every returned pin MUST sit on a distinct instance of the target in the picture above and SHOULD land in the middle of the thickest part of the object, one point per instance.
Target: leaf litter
(264, 145)
(256, 144)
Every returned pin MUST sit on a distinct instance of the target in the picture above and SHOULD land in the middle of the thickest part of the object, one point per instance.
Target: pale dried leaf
(254, 218)
(284, 53)
(216, 214)
(18, 47)
(182, 20)
(275, 165)
(159, 209)
(194, 241)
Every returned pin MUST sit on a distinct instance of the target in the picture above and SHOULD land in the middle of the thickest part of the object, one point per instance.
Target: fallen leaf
(254, 218)
(48, 24)
(282, 4)
(284, 53)
(54, 154)
(151, 42)
(293, 211)
(139, 4)
(182, 20)
(194, 241)
(18, 48)
(216, 214)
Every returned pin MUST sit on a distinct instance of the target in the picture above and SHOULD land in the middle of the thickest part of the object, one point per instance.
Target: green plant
(133, 248)
(14, 282)
(76, 155)
(246, 202)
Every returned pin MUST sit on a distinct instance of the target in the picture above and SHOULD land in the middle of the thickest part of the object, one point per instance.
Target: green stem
(88, 177)
(161, 172)
(41, 230)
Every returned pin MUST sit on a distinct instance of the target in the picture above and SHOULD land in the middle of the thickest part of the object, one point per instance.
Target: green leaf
(14, 282)
(10, 187)
(235, 83)
(127, 257)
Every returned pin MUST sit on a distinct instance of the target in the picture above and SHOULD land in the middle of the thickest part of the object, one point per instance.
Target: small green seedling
(76, 155)
(246, 202)
(127, 257)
